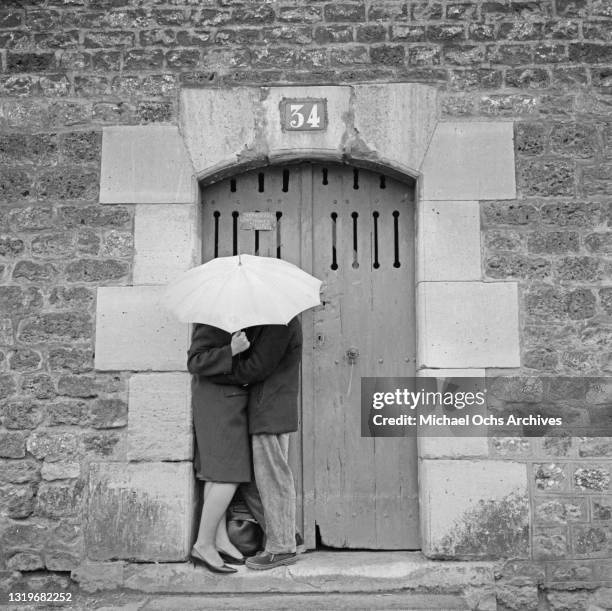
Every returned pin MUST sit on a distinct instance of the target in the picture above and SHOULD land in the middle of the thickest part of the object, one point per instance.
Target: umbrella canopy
(242, 291)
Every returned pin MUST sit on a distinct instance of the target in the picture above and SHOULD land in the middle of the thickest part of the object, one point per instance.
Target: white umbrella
(242, 291)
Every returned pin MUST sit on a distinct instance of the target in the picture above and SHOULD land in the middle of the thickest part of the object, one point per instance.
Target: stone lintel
(389, 124)
(396, 121)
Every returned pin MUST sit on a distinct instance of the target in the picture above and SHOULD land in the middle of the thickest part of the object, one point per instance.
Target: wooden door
(366, 489)
(353, 229)
(276, 190)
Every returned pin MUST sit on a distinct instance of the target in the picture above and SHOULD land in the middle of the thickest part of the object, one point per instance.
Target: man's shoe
(266, 560)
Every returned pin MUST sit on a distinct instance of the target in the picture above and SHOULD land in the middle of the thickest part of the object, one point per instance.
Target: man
(271, 368)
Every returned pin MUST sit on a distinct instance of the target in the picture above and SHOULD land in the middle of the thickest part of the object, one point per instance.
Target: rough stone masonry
(71, 67)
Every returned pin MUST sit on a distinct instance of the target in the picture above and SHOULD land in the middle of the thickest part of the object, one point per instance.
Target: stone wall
(552, 240)
(72, 67)
(57, 246)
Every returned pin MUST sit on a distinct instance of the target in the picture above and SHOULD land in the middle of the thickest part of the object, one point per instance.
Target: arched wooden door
(353, 229)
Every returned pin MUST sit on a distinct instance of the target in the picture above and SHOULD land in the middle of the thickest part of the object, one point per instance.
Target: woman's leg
(217, 497)
(222, 540)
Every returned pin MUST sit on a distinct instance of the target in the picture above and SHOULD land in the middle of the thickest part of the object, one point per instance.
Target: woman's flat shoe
(197, 559)
(229, 559)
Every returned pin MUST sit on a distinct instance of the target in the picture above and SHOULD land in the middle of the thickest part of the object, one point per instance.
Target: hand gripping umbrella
(232, 293)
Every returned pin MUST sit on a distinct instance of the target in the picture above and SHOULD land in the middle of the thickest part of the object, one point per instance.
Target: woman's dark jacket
(271, 368)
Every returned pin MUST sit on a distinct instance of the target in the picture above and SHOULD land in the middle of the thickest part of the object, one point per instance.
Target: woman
(223, 457)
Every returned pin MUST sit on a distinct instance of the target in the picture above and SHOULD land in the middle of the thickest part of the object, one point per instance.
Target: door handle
(351, 354)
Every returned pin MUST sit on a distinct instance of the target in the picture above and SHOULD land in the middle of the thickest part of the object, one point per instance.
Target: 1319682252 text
(35, 597)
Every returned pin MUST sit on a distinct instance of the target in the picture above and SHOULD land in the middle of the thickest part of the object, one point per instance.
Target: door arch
(354, 229)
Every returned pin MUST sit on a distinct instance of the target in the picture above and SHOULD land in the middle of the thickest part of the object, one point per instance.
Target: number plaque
(303, 115)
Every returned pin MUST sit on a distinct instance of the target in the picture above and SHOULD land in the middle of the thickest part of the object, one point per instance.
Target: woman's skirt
(223, 448)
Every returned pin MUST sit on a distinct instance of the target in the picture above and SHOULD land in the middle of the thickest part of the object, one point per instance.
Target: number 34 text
(304, 115)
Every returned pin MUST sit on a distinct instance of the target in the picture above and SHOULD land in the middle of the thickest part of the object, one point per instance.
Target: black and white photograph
(306, 305)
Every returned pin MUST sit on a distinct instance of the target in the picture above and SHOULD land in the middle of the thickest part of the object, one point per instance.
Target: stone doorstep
(314, 572)
(282, 602)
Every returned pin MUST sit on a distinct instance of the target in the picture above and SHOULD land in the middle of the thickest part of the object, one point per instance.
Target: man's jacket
(271, 368)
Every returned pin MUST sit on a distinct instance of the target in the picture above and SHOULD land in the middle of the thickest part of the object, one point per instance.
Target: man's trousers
(272, 498)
